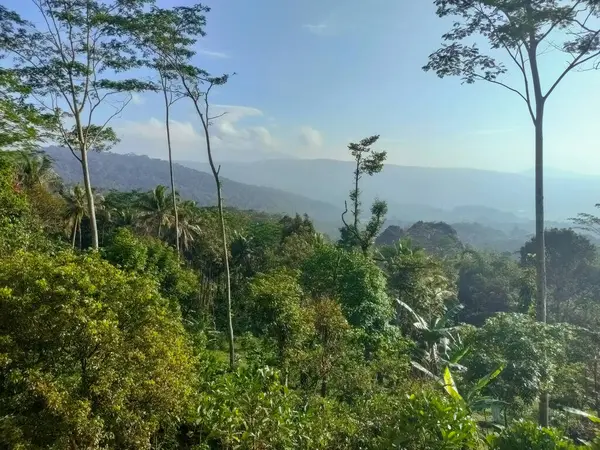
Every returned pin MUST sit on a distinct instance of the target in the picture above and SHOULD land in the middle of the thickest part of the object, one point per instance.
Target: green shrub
(428, 420)
(154, 259)
(90, 357)
(528, 435)
(253, 409)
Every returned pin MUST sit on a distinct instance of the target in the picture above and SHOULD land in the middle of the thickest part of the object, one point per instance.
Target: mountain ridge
(129, 172)
(440, 188)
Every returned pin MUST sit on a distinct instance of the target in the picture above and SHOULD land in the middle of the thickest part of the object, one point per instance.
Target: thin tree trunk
(74, 234)
(356, 202)
(90, 199)
(227, 273)
(215, 173)
(80, 236)
(173, 195)
(539, 220)
(544, 405)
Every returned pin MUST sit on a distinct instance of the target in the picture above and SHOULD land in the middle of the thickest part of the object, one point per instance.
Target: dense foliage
(137, 319)
(125, 348)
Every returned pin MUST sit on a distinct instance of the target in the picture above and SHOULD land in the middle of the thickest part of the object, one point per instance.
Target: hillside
(424, 193)
(129, 172)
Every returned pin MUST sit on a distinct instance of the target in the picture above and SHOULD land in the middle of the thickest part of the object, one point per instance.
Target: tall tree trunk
(544, 405)
(90, 198)
(539, 218)
(356, 201)
(227, 273)
(540, 253)
(80, 236)
(215, 173)
(74, 234)
(173, 195)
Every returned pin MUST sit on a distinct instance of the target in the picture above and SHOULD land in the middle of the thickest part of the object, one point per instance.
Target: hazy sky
(314, 75)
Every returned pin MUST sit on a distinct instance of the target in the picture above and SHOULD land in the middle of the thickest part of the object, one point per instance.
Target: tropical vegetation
(140, 320)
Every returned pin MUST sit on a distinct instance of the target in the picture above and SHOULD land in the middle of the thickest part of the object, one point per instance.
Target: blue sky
(314, 75)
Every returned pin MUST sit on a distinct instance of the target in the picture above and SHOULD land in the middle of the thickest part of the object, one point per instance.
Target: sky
(313, 76)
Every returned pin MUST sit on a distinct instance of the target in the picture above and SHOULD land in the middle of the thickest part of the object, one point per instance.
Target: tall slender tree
(171, 34)
(368, 162)
(163, 51)
(198, 86)
(68, 59)
(520, 28)
(170, 97)
(166, 37)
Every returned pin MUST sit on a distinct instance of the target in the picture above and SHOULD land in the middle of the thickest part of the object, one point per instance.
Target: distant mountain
(128, 172)
(556, 172)
(423, 193)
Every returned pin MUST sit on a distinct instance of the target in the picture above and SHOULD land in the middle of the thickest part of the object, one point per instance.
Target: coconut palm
(188, 226)
(35, 170)
(75, 211)
(155, 209)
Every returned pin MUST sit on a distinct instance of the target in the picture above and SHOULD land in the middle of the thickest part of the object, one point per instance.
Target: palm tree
(155, 210)
(75, 211)
(35, 170)
(187, 228)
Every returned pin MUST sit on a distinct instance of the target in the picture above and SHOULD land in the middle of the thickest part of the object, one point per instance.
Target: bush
(155, 259)
(18, 227)
(253, 409)
(90, 357)
(428, 420)
(527, 435)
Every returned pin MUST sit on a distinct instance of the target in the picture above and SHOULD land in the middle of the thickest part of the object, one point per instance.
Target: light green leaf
(450, 386)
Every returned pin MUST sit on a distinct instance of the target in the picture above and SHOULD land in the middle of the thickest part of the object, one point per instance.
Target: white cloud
(318, 29)
(137, 99)
(230, 136)
(310, 138)
(213, 54)
(234, 113)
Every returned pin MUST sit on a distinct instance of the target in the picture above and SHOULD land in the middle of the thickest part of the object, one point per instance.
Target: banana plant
(473, 399)
(438, 344)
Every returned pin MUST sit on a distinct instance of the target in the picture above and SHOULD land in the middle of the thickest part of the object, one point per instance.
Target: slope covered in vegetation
(126, 348)
(140, 319)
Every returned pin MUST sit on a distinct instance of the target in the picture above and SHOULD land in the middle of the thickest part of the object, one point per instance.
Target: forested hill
(131, 172)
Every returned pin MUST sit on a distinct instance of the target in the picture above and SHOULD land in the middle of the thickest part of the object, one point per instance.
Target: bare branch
(348, 227)
(499, 83)
(118, 111)
(344, 214)
(526, 82)
(575, 63)
(217, 117)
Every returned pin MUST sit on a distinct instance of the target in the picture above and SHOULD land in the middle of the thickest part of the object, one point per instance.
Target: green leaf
(456, 357)
(450, 386)
(422, 369)
(483, 382)
(581, 413)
